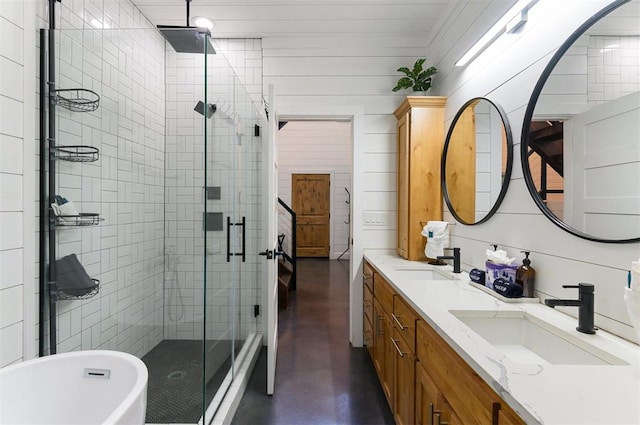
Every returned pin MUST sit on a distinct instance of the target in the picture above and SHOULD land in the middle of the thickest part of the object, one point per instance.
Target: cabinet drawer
(383, 293)
(404, 319)
(367, 304)
(367, 275)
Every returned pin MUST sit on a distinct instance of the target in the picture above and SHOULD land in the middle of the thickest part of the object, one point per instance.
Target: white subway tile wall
(11, 177)
(126, 186)
(613, 67)
(230, 145)
(139, 303)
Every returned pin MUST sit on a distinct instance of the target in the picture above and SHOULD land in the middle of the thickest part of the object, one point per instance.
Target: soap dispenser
(526, 276)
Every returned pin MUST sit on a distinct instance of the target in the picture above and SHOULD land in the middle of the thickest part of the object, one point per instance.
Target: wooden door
(426, 396)
(404, 381)
(311, 202)
(389, 357)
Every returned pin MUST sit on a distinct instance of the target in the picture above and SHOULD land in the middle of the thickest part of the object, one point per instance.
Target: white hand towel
(66, 209)
(437, 234)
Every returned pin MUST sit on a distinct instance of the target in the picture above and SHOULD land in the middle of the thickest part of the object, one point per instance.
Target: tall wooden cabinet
(420, 133)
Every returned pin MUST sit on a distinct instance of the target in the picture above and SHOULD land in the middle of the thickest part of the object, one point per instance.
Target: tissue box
(495, 271)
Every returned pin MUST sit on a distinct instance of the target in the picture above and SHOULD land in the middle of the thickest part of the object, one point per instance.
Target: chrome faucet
(585, 304)
(455, 257)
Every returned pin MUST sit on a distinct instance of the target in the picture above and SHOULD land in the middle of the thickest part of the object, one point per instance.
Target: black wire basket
(77, 100)
(71, 294)
(75, 153)
(82, 219)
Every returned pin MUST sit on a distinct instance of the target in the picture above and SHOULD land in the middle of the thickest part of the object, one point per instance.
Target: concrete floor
(320, 378)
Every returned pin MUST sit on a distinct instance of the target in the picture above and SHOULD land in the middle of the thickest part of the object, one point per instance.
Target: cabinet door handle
(438, 417)
(431, 412)
(378, 317)
(395, 318)
(495, 413)
(395, 344)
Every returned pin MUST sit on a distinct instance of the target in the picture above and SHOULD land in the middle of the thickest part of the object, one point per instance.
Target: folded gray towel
(72, 278)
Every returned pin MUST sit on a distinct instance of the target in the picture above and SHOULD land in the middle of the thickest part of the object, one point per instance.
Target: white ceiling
(296, 18)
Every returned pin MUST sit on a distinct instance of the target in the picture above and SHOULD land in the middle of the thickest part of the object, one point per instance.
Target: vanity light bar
(514, 18)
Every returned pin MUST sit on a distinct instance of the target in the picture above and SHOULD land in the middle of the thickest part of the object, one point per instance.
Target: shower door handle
(242, 253)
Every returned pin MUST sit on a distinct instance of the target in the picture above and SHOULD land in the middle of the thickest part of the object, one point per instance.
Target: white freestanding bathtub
(82, 387)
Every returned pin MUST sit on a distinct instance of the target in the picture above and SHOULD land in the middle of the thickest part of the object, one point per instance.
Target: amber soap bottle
(526, 276)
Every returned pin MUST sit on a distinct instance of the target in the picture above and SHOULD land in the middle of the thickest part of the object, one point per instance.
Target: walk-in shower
(168, 211)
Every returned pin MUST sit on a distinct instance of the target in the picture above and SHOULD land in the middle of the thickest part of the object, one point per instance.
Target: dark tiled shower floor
(174, 393)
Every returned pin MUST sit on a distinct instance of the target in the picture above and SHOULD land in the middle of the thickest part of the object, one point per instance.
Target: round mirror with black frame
(476, 161)
(580, 148)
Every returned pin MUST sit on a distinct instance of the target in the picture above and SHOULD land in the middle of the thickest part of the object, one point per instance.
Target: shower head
(200, 108)
(187, 39)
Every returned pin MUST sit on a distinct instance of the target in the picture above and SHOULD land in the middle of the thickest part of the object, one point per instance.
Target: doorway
(311, 200)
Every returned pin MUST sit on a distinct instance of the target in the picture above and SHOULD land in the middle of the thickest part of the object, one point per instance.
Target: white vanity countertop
(539, 393)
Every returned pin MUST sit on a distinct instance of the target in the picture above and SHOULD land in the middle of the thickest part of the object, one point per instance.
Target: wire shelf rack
(75, 153)
(77, 100)
(79, 294)
(82, 219)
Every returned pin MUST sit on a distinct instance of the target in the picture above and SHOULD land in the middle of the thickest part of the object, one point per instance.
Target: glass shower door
(232, 205)
(221, 248)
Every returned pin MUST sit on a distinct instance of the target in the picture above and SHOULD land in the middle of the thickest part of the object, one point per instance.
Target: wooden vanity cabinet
(394, 350)
(420, 139)
(468, 398)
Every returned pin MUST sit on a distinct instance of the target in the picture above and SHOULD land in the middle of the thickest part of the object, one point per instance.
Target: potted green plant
(418, 78)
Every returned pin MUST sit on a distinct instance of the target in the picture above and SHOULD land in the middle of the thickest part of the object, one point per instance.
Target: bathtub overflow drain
(178, 374)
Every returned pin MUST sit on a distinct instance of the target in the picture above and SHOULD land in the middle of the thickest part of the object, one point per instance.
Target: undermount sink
(526, 339)
(421, 274)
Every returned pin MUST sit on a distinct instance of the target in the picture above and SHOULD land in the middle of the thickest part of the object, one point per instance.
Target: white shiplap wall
(506, 73)
(350, 73)
(319, 147)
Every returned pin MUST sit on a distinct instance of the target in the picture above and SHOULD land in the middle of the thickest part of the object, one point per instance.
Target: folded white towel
(66, 209)
(437, 234)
